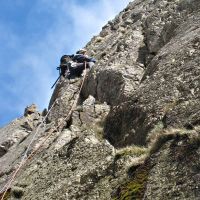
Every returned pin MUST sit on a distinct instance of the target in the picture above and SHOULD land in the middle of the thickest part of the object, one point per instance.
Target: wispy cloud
(31, 50)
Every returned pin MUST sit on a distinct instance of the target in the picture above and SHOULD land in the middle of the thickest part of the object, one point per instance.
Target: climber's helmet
(81, 51)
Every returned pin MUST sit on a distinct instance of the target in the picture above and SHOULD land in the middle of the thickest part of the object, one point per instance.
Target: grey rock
(30, 110)
(170, 172)
(168, 91)
(146, 78)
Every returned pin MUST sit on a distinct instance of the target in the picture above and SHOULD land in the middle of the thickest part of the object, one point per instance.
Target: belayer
(72, 66)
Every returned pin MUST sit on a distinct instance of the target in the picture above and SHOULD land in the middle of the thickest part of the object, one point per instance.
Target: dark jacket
(80, 58)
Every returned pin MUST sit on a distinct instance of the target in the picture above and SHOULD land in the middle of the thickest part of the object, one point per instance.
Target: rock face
(132, 130)
(169, 88)
(170, 172)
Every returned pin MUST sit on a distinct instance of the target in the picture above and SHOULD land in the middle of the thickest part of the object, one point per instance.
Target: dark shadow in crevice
(142, 55)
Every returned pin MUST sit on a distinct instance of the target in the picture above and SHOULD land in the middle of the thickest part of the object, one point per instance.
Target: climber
(64, 65)
(82, 60)
(73, 65)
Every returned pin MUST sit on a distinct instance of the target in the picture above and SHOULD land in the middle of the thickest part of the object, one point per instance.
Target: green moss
(135, 188)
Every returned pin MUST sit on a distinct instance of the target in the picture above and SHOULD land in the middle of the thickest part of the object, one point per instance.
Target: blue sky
(34, 34)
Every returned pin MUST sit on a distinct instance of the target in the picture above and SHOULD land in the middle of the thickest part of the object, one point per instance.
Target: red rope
(24, 161)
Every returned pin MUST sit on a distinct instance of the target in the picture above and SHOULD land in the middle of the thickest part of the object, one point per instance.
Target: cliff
(130, 129)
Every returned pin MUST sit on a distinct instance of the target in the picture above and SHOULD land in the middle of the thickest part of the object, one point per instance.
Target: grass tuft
(157, 139)
(132, 151)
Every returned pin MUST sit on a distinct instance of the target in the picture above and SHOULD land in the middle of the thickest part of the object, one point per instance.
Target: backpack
(66, 65)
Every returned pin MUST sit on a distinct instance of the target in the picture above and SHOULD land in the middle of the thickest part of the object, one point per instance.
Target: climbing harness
(27, 157)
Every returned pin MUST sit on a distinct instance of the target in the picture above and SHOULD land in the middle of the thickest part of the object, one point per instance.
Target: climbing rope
(36, 132)
(26, 157)
(7, 186)
(76, 99)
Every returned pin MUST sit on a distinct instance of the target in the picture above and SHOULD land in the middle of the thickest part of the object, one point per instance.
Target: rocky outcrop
(169, 89)
(30, 110)
(170, 172)
(117, 137)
